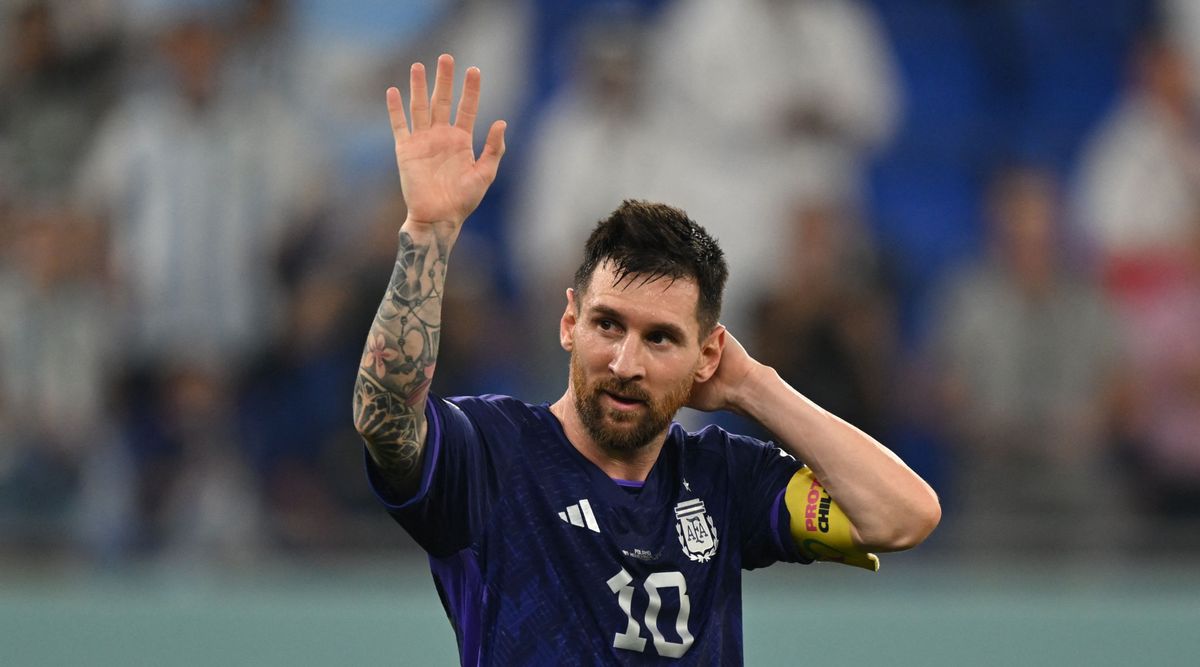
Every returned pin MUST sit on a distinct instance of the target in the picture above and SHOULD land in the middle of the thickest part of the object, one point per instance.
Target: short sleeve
(446, 513)
(761, 473)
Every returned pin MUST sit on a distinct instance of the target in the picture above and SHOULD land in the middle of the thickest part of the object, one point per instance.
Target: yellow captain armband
(819, 526)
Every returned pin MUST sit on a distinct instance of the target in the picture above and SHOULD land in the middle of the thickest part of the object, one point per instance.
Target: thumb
(493, 150)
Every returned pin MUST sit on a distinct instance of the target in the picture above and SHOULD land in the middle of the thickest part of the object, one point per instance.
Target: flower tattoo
(378, 355)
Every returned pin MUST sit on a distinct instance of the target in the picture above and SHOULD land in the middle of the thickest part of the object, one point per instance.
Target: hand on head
(724, 390)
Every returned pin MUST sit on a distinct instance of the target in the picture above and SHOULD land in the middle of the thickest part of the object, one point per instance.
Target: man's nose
(627, 363)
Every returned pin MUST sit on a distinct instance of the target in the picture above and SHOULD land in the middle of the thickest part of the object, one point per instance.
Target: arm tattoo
(399, 358)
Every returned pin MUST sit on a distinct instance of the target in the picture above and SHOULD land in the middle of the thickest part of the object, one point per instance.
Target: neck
(632, 465)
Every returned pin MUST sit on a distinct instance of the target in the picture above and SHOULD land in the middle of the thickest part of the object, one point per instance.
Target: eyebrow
(670, 329)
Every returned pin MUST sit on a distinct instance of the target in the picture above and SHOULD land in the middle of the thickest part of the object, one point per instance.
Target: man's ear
(711, 349)
(566, 326)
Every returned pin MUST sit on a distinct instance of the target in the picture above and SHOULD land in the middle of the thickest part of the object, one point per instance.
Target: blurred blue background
(971, 228)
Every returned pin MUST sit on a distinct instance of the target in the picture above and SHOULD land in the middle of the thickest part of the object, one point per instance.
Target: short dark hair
(655, 240)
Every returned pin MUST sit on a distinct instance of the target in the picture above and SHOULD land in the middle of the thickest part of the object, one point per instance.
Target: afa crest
(697, 533)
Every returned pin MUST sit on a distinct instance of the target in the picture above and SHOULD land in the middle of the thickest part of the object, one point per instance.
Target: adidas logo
(580, 514)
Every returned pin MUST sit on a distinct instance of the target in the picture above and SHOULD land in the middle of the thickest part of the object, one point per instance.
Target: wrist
(746, 400)
(442, 230)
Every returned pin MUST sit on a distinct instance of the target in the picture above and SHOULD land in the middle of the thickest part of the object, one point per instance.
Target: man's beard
(627, 431)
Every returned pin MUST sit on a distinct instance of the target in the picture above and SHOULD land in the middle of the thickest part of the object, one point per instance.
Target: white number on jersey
(630, 639)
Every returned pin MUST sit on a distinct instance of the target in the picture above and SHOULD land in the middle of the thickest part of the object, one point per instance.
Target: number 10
(630, 639)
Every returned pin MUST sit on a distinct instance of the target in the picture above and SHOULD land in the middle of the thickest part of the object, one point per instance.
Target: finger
(443, 89)
(493, 150)
(395, 107)
(468, 104)
(418, 102)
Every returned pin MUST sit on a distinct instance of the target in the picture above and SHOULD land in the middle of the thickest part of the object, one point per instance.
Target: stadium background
(197, 214)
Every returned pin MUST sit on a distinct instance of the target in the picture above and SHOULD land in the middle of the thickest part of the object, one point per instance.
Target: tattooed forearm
(399, 358)
(389, 429)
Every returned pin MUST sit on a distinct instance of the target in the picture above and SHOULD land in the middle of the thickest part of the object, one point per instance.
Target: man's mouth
(624, 401)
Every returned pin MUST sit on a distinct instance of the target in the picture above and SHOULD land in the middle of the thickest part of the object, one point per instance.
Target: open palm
(441, 179)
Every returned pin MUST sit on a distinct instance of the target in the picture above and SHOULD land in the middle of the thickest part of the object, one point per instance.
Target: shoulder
(731, 449)
(749, 473)
(491, 403)
(492, 412)
(713, 436)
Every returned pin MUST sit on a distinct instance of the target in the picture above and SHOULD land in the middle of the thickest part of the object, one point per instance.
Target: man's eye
(605, 325)
(658, 338)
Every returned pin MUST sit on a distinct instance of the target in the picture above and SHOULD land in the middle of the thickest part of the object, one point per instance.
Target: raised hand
(442, 183)
(726, 389)
(441, 179)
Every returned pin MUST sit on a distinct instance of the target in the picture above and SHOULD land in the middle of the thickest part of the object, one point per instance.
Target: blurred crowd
(972, 229)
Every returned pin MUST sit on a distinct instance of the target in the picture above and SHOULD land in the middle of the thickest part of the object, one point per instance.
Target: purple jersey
(542, 559)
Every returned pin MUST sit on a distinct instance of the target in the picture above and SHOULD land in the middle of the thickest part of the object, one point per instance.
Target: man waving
(595, 530)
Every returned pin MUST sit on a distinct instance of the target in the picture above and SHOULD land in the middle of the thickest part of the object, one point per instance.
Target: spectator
(765, 103)
(1140, 174)
(262, 50)
(57, 344)
(595, 146)
(823, 94)
(210, 510)
(50, 103)
(1026, 353)
(1166, 413)
(1182, 19)
(200, 184)
(826, 322)
(291, 425)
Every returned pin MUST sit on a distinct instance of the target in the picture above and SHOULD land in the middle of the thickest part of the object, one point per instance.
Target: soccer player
(594, 530)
